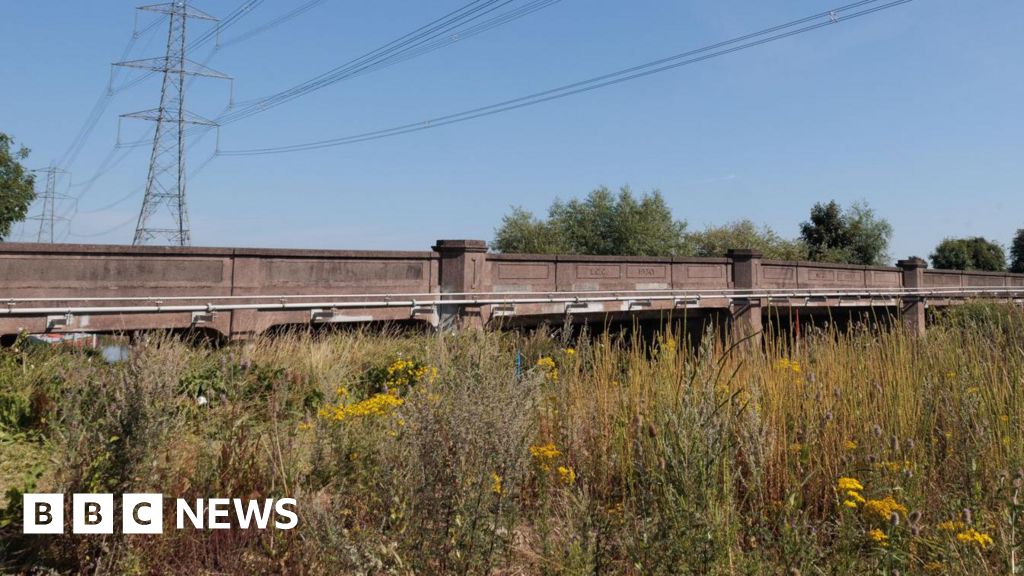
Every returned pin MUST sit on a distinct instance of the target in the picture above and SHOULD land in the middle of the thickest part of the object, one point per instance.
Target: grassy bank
(858, 453)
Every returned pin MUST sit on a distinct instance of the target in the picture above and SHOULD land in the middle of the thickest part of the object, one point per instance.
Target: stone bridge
(238, 293)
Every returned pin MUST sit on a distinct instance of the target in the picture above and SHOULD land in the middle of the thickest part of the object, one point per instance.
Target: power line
(110, 162)
(273, 23)
(448, 29)
(202, 166)
(100, 106)
(744, 42)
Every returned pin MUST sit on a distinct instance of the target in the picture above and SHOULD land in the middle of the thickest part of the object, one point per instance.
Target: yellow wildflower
(846, 484)
(376, 405)
(855, 496)
(545, 451)
(548, 365)
(850, 504)
(882, 510)
(570, 351)
(850, 445)
(972, 536)
(878, 536)
(950, 526)
(496, 483)
(544, 454)
(567, 475)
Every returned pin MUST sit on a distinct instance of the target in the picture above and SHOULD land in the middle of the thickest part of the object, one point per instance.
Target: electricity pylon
(48, 198)
(165, 183)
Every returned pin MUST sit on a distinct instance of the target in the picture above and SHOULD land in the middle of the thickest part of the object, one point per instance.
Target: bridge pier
(462, 271)
(746, 323)
(912, 309)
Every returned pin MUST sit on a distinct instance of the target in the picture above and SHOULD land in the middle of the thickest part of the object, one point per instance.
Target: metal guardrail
(506, 301)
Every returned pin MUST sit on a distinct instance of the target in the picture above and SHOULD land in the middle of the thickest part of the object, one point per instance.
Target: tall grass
(495, 453)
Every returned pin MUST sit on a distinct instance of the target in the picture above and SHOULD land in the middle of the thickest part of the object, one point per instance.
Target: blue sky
(916, 109)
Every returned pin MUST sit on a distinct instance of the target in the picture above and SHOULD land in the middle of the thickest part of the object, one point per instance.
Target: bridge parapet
(241, 292)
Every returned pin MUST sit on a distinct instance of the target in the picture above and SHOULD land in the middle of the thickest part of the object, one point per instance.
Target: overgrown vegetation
(494, 453)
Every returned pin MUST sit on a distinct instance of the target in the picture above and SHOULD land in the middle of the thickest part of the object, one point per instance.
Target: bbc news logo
(144, 513)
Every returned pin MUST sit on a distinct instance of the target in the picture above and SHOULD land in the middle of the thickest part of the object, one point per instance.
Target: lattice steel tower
(164, 213)
(48, 204)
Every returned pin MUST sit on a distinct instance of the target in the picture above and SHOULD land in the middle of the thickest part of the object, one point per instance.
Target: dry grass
(597, 457)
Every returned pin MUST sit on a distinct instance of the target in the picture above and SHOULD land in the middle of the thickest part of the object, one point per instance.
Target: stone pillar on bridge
(746, 312)
(462, 271)
(912, 309)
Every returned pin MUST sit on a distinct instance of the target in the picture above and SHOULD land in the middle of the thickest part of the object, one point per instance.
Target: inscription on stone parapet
(983, 281)
(342, 273)
(646, 272)
(510, 271)
(942, 279)
(592, 272)
(778, 273)
(704, 271)
(834, 276)
(884, 278)
(109, 272)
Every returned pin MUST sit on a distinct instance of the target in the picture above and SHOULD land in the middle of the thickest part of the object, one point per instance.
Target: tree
(852, 236)
(17, 185)
(1017, 253)
(521, 232)
(603, 223)
(717, 240)
(975, 253)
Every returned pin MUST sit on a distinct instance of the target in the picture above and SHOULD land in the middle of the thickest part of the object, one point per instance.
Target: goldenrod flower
(950, 526)
(882, 510)
(570, 351)
(567, 475)
(544, 454)
(548, 364)
(972, 536)
(878, 536)
(850, 504)
(850, 445)
(376, 405)
(846, 484)
(496, 483)
(545, 451)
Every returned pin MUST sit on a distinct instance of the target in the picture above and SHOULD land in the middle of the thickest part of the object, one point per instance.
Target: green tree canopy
(854, 235)
(717, 240)
(17, 189)
(604, 223)
(1017, 252)
(975, 253)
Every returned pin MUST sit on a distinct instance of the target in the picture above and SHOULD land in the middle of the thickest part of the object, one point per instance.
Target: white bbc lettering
(218, 508)
(43, 513)
(195, 516)
(142, 514)
(252, 511)
(281, 507)
(92, 514)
